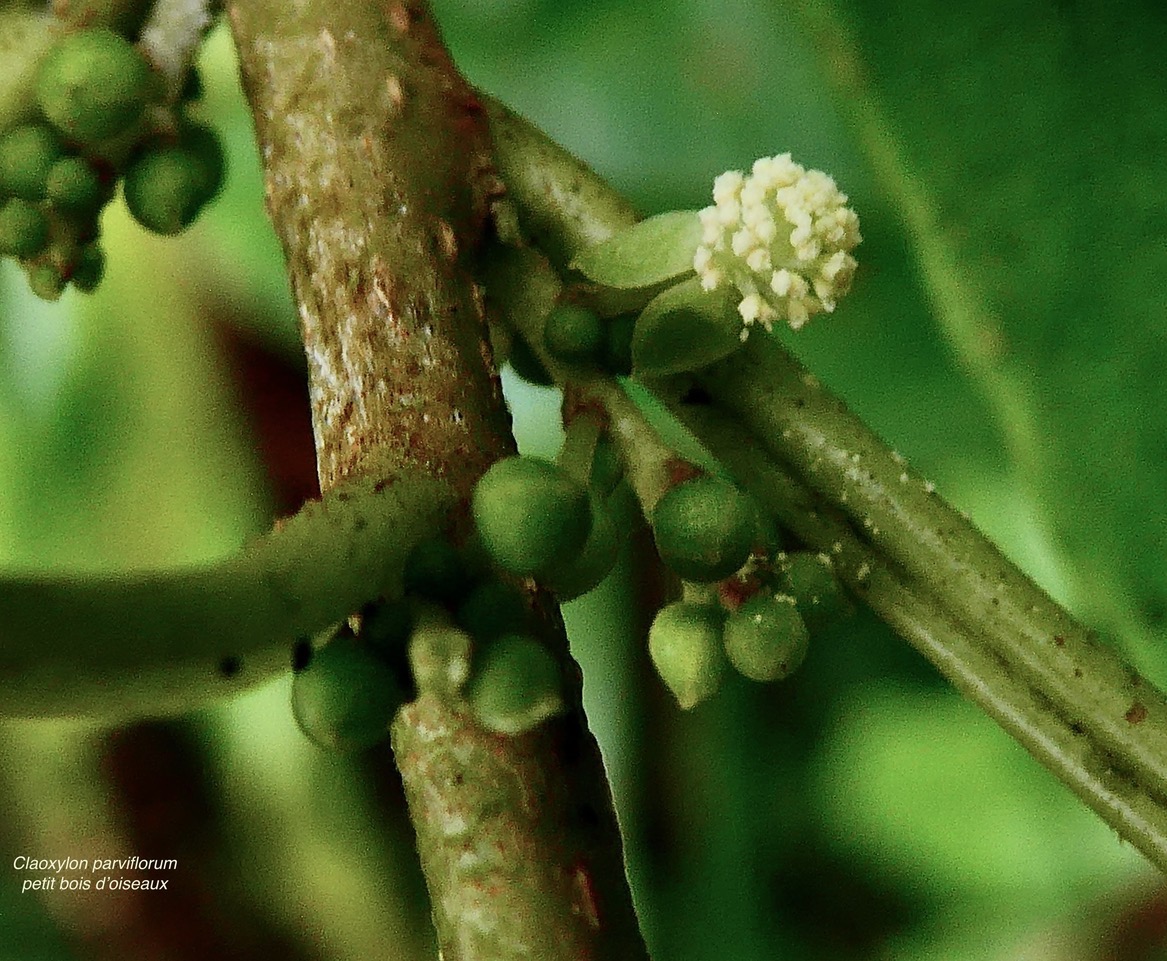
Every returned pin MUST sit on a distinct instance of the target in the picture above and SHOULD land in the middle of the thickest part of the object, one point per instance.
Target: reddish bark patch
(1137, 713)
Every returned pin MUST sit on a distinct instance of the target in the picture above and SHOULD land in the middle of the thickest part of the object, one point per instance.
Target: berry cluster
(460, 631)
(101, 113)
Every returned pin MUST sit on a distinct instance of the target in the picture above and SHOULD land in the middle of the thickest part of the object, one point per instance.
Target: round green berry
(167, 186)
(93, 85)
(530, 515)
(766, 638)
(74, 186)
(88, 269)
(686, 648)
(494, 609)
(704, 528)
(27, 155)
(607, 468)
(515, 684)
(346, 697)
(24, 230)
(577, 574)
(575, 336)
(46, 281)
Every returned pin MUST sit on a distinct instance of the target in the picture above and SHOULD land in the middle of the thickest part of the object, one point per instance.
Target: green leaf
(651, 252)
(685, 328)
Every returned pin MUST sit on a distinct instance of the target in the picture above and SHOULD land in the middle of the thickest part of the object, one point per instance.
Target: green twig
(159, 643)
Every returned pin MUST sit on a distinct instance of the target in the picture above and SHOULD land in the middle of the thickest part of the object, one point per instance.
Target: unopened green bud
(574, 336)
(89, 268)
(685, 645)
(24, 231)
(515, 685)
(26, 157)
(74, 187)
(46, 281)
(704, 528)
(530, 514)
(607, 468)
(93, 85)
(165, 189)
(766, 638)
(346, 697)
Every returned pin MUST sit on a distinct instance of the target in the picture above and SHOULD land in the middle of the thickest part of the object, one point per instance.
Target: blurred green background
(1006, 333)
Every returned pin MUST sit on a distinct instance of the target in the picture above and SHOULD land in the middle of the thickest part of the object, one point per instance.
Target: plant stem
(379, 182)
(151, 644)
(1077, 706)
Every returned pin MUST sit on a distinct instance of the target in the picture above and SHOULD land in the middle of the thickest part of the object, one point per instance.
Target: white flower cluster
(783, 236)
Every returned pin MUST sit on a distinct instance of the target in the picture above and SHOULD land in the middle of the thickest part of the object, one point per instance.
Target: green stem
(380, 182)
(958, 650)
(160, 643)
(841, 459)
(995, 615)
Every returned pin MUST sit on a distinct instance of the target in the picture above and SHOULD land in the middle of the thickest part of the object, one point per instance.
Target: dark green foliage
(515, 684)
(24, 231)
(530, 514)
(574, 336)
(27, 154)
(685, 645)
(346, 697)
(704, 528)
(93, 85)
(766, 638)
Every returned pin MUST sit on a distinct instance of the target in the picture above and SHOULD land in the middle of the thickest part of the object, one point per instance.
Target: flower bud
(765, 638)
(88, 268)
(346, 697)
(93, 85)
(809, 579)
(574, 336)
(74, 187)
(515, 684)
(24, 231)
(704, 528)
(685, 645)
(167, 185)
(530, 515)
(27, 155)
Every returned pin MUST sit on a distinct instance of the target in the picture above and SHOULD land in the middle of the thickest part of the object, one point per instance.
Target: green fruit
(89, 268)
(575, 336)
(434, 570)
(93, 85)
(46, 281)
(346, 697)
(618, 346)
(74, 186)
(584, 571)
(704, 528)
(809, 579)
(24, 231)
(515, 684)
(494, 609)
(685, 645)
(766, 638)
(530, 515)
(527, 365)
(27, 155)
(167, 185)
(607, 468)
